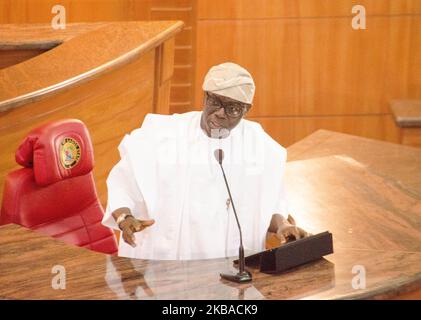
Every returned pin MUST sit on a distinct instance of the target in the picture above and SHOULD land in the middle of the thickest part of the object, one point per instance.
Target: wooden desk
(367, 193)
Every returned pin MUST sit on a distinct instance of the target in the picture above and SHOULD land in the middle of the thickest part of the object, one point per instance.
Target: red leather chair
(55, 192)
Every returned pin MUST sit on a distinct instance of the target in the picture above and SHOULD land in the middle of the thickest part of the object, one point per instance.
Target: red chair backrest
(55, 191)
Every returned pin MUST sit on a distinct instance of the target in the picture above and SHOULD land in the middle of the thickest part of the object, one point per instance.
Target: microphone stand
(243, 275)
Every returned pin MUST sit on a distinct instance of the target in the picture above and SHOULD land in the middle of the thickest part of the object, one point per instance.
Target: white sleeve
(274, 196)
(277, 162)
(282, 206)
(123, 192)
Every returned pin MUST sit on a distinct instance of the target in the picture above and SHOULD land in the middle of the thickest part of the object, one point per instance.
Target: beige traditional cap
(230, 80)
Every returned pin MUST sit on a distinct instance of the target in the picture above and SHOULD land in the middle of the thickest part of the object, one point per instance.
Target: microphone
(242, 275)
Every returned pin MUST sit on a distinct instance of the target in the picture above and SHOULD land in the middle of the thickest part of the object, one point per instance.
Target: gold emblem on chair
(69, 153)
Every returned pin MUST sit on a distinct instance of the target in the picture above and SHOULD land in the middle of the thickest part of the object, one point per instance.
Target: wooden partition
(109, 75)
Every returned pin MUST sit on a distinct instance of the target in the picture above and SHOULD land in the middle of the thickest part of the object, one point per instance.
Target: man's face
(221, 114)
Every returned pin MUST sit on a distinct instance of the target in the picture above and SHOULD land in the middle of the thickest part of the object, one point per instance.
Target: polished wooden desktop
(366, 192)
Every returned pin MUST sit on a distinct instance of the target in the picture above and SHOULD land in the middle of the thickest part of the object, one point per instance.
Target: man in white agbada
(167, 194)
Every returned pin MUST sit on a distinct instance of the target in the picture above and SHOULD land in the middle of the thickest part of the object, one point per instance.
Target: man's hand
(130, 225)
(286, 230)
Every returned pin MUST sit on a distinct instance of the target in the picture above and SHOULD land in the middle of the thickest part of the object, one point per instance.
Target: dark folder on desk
(292, 254)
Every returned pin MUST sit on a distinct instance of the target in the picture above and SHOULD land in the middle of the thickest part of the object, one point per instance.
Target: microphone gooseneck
(242, 275)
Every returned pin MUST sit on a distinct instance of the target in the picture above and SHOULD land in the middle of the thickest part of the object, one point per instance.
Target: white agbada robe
(168, 172)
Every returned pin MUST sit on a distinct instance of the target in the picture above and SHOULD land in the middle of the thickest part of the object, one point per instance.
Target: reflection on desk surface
(27, 259)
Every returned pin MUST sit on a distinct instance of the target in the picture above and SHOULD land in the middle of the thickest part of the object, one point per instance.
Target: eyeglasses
(232, 110)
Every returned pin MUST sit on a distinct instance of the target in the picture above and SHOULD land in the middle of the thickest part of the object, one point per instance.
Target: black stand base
(239, 277)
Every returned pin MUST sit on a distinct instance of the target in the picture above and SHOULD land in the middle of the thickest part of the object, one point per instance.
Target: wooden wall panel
(287, 130)
(414, 67)
(344, 71)
(39, 11)
(268, 9)
(312, 69)
(183, 55)
(312, 66)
